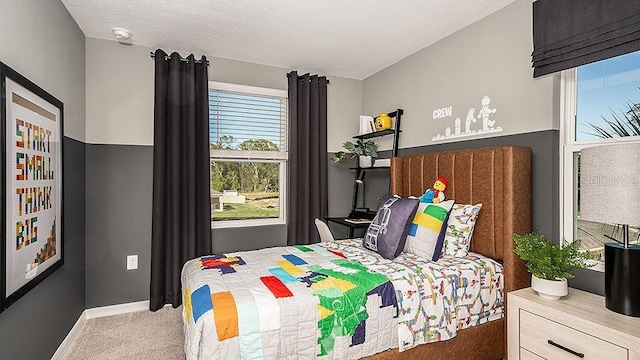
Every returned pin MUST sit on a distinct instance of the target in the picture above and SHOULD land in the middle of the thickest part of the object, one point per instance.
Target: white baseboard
(117, 309)
(96, 313)
(75, 330)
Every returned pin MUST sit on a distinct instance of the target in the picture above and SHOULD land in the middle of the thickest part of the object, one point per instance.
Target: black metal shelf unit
(360, 171)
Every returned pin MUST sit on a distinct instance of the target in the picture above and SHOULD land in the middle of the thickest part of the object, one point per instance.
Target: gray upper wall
(120, 93)
(491, 57)
(41, 41)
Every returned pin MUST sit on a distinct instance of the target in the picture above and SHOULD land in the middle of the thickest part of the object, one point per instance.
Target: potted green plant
(550, 265)
(364, 149)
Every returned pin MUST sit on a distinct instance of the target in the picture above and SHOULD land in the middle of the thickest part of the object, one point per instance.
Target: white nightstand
(576, 326)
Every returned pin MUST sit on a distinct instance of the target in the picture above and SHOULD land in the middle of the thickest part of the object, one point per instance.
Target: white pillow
(460, 225)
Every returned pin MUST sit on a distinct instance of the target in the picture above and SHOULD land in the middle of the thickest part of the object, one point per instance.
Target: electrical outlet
(132, 262)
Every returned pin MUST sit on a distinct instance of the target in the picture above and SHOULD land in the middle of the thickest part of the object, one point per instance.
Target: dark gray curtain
(307, 185)
(570, 33)
(181, 227)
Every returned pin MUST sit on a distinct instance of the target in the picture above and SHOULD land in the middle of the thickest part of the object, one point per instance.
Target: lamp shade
(610, 184)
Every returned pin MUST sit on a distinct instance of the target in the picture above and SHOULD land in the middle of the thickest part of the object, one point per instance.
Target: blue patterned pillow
(388, 231)
(426, 233)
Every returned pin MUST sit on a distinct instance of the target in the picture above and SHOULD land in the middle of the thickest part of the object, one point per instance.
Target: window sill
(230, 224)
(597, 265)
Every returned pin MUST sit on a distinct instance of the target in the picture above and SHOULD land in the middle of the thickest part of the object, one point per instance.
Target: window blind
(249, 122)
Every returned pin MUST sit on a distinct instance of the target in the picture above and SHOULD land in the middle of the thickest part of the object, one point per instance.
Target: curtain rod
(328, 82)
(181, 59)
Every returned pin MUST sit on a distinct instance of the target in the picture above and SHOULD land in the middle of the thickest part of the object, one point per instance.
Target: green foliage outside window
(257, 182)
(626, 122)
(246, 177)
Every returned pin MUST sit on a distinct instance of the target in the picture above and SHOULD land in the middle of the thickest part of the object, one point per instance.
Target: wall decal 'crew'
(488, 124)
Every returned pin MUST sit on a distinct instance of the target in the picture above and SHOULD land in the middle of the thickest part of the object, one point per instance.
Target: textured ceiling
(348, 38)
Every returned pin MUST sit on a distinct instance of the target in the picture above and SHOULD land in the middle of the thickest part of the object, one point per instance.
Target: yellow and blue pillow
(426, 233)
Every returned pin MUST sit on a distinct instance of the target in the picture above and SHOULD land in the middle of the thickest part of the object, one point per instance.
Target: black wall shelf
(376, 134)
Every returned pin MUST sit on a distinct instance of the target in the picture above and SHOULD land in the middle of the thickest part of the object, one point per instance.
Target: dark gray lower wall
(36, 324)
(248, 238)
(119, 190)
(119, 204)
(588, 280)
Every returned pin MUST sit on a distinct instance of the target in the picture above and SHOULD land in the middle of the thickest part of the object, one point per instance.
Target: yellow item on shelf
(383, 122)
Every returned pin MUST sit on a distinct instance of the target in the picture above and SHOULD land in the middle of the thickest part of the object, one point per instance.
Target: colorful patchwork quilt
(331, 301)
(435, 299)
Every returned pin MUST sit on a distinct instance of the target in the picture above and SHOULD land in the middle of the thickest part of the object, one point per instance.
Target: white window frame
(569, 146)
(254, 156)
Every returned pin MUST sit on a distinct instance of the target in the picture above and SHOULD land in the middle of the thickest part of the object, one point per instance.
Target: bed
(499, 178)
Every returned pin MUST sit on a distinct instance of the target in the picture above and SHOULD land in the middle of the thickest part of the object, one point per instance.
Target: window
(248, 140)
(601, 106)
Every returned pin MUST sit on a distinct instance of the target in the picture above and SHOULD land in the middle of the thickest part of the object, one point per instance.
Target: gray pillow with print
(388, 231)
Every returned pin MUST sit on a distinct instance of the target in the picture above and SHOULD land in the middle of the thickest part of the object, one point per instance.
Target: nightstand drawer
(528, 355)
(537, 332)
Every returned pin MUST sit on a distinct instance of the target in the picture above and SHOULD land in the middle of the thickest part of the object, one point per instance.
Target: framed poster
(31, 135)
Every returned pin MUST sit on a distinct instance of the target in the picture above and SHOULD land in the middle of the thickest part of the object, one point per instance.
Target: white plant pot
(549, 289)
(364, 161)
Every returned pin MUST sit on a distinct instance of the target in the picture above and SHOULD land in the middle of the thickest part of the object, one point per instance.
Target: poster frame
(41, 96)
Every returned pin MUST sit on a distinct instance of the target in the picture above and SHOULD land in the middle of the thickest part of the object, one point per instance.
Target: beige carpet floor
(138, 335)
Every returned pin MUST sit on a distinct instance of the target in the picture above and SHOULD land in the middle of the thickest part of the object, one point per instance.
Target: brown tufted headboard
(497, 177)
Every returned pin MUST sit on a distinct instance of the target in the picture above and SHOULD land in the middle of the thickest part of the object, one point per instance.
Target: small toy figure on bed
(436, 193)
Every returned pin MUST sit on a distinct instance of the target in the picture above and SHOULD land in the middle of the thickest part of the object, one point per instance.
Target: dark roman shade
(570, 33)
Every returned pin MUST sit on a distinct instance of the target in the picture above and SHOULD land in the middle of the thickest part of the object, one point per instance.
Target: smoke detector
(122, 35)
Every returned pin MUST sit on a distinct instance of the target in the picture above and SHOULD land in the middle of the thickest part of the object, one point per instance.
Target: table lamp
(610, 193)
